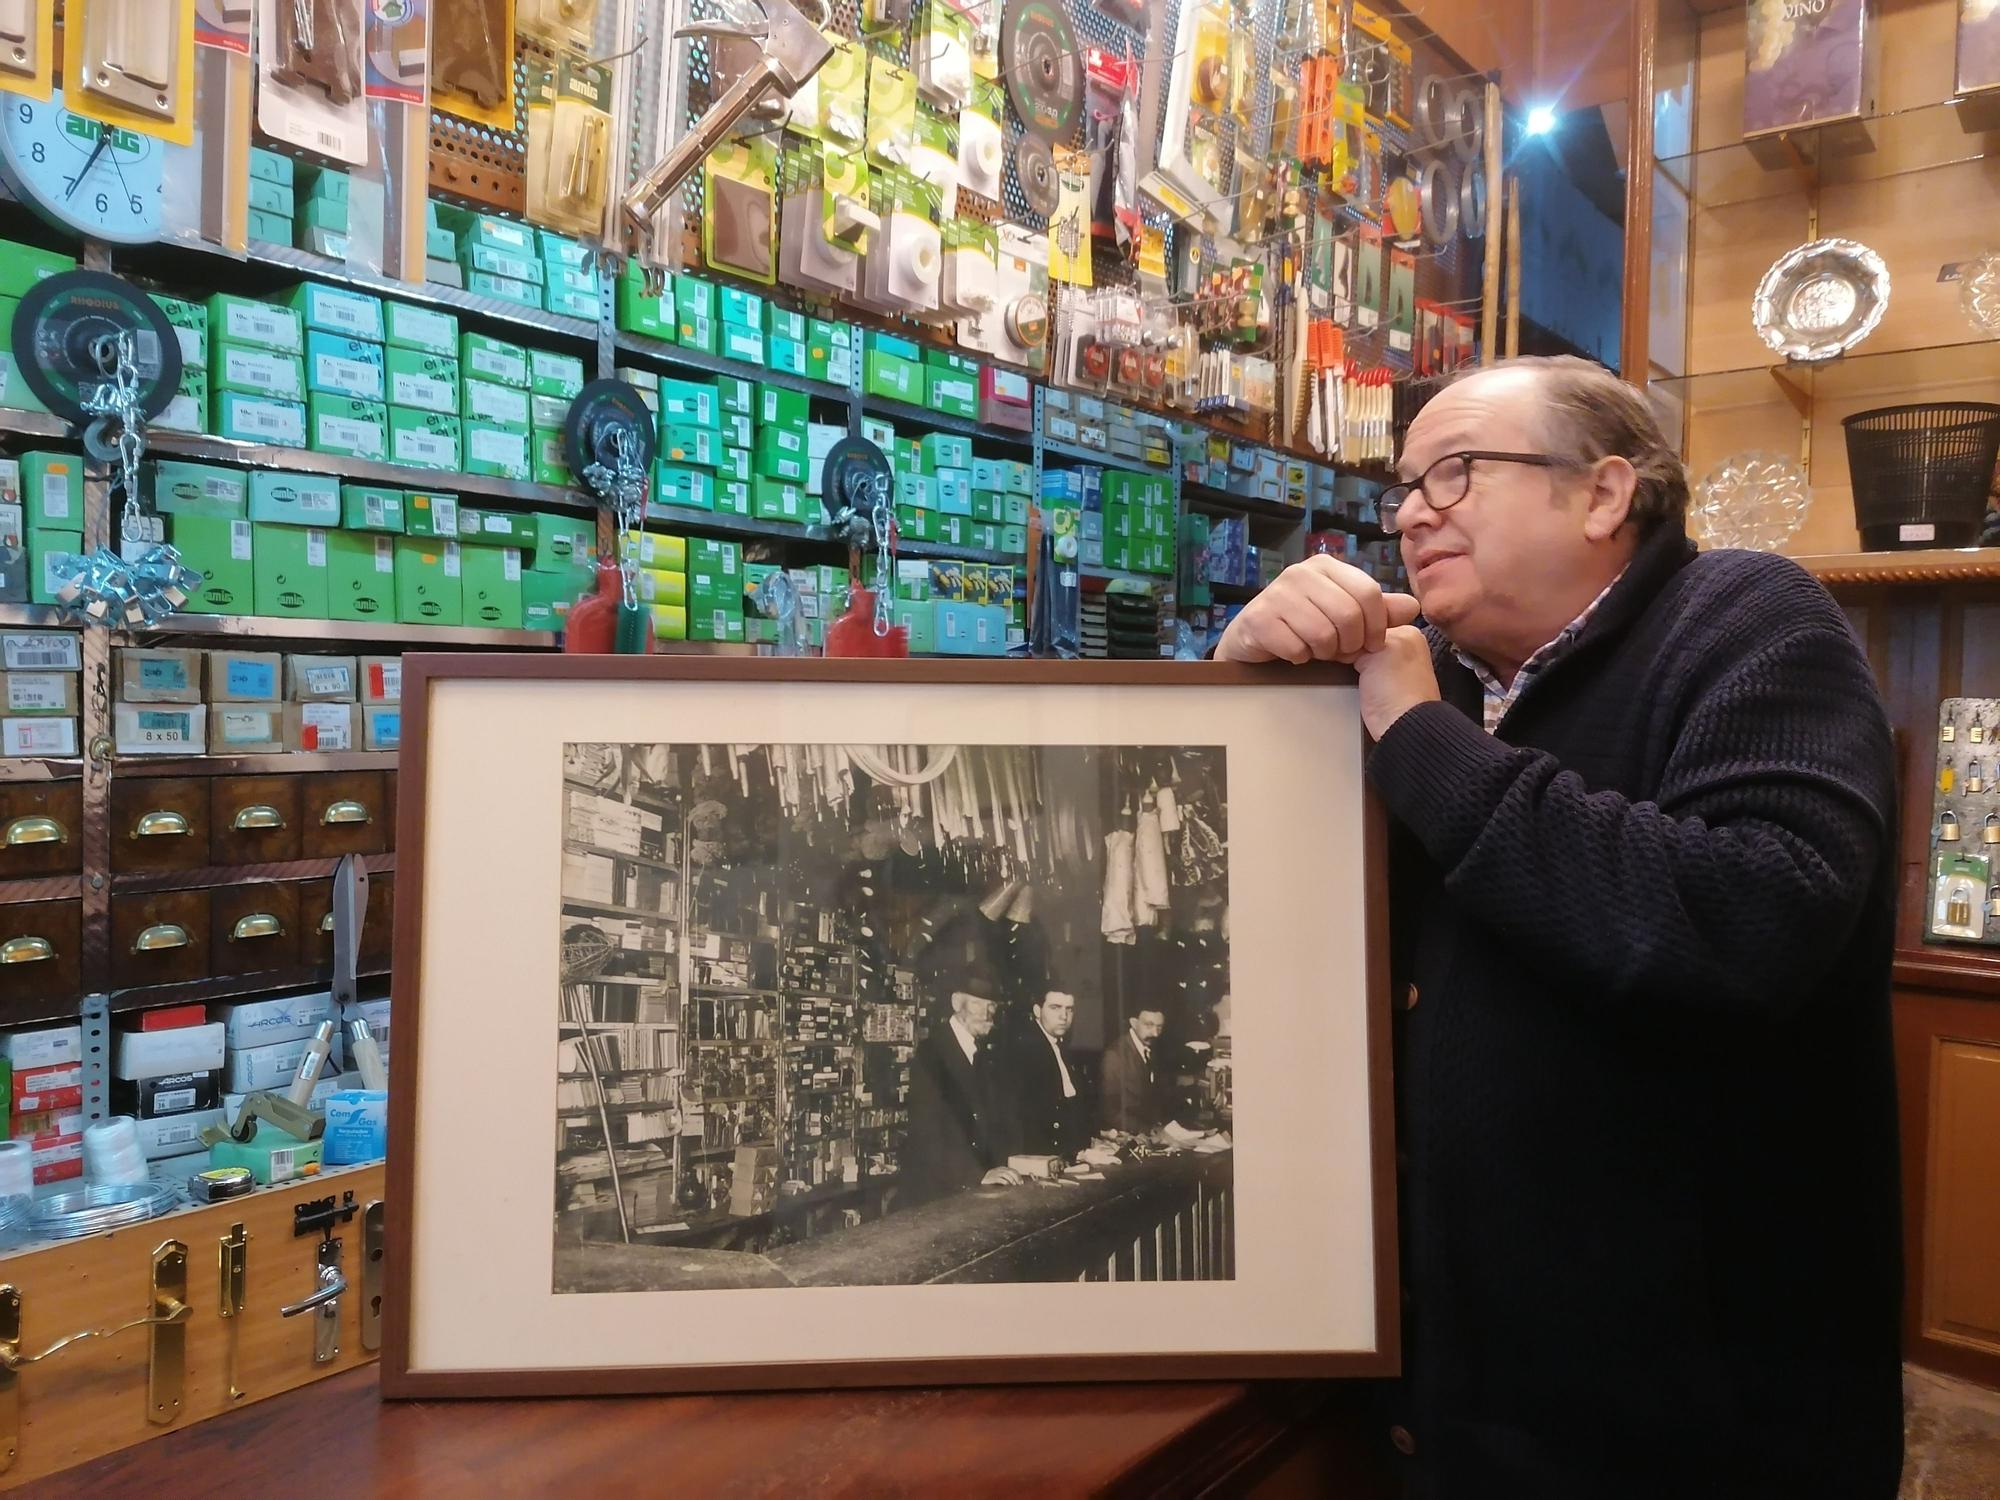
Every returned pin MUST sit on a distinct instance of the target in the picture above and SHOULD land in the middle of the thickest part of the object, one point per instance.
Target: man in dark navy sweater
(1644, 895)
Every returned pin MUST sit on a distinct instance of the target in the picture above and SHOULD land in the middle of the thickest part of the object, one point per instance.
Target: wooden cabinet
(159, 937)
(1948, 1083)
(346, 812)
(254, 927)
(159, 823)
(255, 820)
(377, 926)
(379, 931)
(41, 828)
(41, 956)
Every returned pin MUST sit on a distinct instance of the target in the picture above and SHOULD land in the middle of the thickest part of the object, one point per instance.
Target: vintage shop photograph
(867, 1015)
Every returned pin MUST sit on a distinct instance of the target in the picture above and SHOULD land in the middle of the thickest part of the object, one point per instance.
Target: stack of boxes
(42, 677)
(320, 224)
(554, 381)
(715, 590)
(421, 358)
(21, 266)
(958, 608)
(662, 580)
(185, 702)
(263, 1043)
(166, 1076)
(741, 334)
(45, 1104)
(345, 371)
(497, 257)
(272, 202)
(781, 459)
(188, 411)
(562, 568)
(1138, 521)
(569, 276)
(48, 512)
(256, 372)
(494, 407)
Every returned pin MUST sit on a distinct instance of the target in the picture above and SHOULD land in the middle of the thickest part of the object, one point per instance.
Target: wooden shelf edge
(1953, 971)
(1904, 569)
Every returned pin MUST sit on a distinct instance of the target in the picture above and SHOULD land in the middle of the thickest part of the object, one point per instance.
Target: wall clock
(99, 180)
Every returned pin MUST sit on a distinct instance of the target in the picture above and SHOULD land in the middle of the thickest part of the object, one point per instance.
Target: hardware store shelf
(1104, 460)
(1203, 497)
(281, 628)
(1904, 569)
(287, 762)
(892, 410)
(715, 364)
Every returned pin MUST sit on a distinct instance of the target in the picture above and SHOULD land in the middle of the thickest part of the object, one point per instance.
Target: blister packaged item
(309, 93)
(970, 283)
(934, 159)
(569, 144)
(942, 55)
(843, 95)
(906, 259)
(27, 47)
(892, 113)
(981, 154)
(133, 62)
(560, 23)
(739, 222)
(1959, 896)
(472, 61)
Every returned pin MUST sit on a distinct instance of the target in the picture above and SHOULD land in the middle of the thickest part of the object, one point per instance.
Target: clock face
(100, 180)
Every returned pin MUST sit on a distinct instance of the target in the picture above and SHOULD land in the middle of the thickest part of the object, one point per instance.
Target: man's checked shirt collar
(1499, 699)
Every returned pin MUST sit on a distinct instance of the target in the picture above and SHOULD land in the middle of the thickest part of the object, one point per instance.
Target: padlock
(1948, 827)
(1975, 779)
(1993, 902)
(1990, 834)
(1947, 734)
(1958, 910)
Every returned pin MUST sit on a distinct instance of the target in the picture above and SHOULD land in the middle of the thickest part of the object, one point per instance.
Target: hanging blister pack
(566, 24)
(892, 113)
(942, 56)
(981, 156)
(309, 92)
(970, 284)
(739, 224)
(472, 60)
(569, 144)
(934, 158)
(27, 46)
(131, 63)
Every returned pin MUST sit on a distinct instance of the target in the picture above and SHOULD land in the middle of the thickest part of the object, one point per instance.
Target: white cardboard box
(259, 1023)
(159, 729)
(43, 1049)
(176, 1135)
(254, 1069)
(38, 736)
(184, 1049)
(41, 651)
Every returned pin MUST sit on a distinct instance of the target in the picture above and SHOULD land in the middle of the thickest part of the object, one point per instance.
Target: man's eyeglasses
(1445, 482)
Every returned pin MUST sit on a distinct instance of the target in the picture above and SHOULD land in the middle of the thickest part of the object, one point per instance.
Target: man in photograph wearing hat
(957, 1134)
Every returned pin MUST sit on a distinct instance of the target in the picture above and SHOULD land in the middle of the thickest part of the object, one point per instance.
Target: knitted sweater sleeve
(1730, 892)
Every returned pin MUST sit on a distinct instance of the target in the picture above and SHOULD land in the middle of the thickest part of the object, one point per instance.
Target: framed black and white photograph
(806, 1023)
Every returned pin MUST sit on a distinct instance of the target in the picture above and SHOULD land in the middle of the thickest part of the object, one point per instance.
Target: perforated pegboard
(477, 165)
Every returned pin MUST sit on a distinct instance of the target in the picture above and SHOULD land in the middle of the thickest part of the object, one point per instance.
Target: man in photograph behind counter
(1643, 895)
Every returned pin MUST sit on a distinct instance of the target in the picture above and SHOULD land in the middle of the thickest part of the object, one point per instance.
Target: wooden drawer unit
(159, 823)
(159, 937)
(253, 927)
(41, 828)
(347, 812)
(41, 958)
(255, 820)
(316, 923)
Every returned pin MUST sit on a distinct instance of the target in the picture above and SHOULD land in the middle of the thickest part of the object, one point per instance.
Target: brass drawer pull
(260, 816)
(346, 811)
(160, 936)
(27, 950)
(155, 825)
(259, 924)
(326, 923)
(35, 831)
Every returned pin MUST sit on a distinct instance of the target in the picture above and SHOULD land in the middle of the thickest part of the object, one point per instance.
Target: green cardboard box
(546, 597)
(950, 391)
(354, 315)
(495, 528)
(708, 557)
(429, 588)
(737, 463)
(781, 452)
(650, 317)
(221, 549)
(495, 451)
(361, 576)
(693, 297)
(703, 335)
(1014, 540)
(918, 491)
(290, 572)
(549, 413)
(916, 525)
(744, 345)
(189, 321)
(53, 557)
(506, 288)
(886, 375)
(786, 356)
(491, 587)
(546, 459)
(783, 322)
(281, 499)
(475, 228)
(337, 365)
(560, 250)
(52, 491)
(700, 446)
(829, 351)
(744, 309)
(939, 451)
(270, 166)
(255, 371)
(371, 507)
(559, 375)
(23, 266)
(675, 485)
(259, 325)
(491, 260)
(689, 403)
(185, 489)
(563, 543)
(341, 424)
(732, 497)
(423, 381)
(427, 513)
(424, 439)
(406, 326)
(919, 618)
(272, 199)
(736, 394)
(779, 500)
(489, 359)
(257, 419)
(739, 429)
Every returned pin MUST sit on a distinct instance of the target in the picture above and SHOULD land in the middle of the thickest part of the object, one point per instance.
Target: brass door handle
(35, 831)
(346, 811)
(27, 950)
(260, 816)
(11, 1357)
(260, 924)
(161, 935)
(155, 825)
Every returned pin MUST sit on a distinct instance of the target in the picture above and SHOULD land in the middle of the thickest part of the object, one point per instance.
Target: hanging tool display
(609, 442)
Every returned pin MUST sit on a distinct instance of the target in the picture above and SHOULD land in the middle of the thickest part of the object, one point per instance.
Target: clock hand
(103, 140)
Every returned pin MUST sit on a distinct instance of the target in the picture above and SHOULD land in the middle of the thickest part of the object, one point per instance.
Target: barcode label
(331, 142)
(265, 372)
(55, 494)
(364, 438)
(191, 342)
(351, 377)
(501, 449)
(445, 511)
(330, 725)
(26, 652)
(315, 548)
(451, 560)
(385, 555)
(164, 729)
(172, 1101)
(373, 512)
(216, 488)
(25, 693)
(497, 403)
(423, 448)
(245, 321)
(510, 564)
(173, 1135)
(324, 681)
(271, 419)
(342, 313)
(498, 366)
(239, 541)
(423, 392)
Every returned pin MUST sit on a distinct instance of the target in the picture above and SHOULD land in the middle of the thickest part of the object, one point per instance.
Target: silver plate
(1820, 300)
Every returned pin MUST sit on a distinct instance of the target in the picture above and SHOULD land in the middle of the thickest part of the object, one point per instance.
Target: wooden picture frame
(1280, 1261)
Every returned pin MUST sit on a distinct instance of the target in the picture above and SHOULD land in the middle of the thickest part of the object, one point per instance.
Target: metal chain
(622, 485)
(117, 397)
(884, 521)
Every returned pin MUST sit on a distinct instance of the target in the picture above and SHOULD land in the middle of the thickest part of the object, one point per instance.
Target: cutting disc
(603, 410)
(1043, 67)
(59, 336)
(1035, 165)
